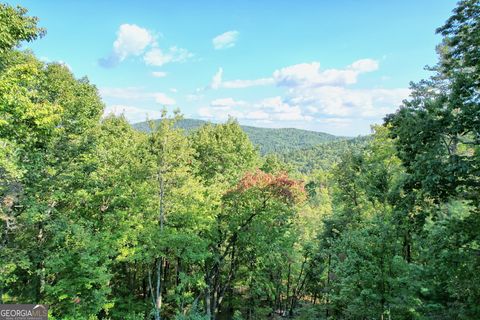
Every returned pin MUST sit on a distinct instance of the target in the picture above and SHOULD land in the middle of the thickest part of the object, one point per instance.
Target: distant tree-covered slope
(323, 156)
(268, 140)
(286, 139)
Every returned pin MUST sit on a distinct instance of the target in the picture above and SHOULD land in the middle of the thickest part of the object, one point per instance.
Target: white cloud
(226, 102)
(132, 114)
(135, 94)
(270, 109)
(163, 99)
(321, 93)
(281, 110)
(157, 57)
(217, 79)
(347, 102)
(310, 74)
(159, 74)
(364, 65)
(180, 54)
(217, 82)
(225, 40)
(218, 114)
(237, 84)
(131, 40)
(174, 90)
(257, 115)
(303, 74)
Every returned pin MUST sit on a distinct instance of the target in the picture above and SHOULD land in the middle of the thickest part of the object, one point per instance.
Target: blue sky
(332, 66)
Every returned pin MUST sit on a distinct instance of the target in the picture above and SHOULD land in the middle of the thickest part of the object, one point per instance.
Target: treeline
(101, 221)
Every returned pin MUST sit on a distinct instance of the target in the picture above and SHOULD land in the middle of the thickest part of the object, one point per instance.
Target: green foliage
(26, 116)
(15, 27)
(224, 152)
(77, 273)
(369, 277)
(451, 251)
(438, 128)
(461, 39)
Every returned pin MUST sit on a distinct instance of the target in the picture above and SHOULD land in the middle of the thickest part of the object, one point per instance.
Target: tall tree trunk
(159, 263)
(298, 288)
(152, 294)
(407, 246)
(158, 303)
(327, 300)
(208, 309)
(288, 286)
(214, 291)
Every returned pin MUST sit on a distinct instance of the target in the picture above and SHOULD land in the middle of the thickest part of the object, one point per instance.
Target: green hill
(268, 140)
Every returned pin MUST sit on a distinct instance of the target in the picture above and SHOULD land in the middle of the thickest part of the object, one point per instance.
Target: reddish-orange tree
(255, 218)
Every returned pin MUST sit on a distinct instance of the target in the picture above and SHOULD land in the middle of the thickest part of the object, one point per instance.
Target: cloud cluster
(265, 110)
(346, 102)
(225, 40)
(328, 92)
(133, 40)
(302, 75)
(311, 94)
(310, 74)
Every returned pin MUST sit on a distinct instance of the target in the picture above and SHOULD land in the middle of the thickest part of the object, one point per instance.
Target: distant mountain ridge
(268, 140)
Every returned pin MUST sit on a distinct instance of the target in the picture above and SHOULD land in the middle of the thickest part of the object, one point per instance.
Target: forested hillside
(102, 221)
(323, 156)
(268, 140)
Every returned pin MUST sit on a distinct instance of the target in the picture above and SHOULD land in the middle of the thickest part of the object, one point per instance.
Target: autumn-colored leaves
(279, 185)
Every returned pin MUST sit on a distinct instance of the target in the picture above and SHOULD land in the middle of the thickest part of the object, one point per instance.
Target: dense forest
(100, 220)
